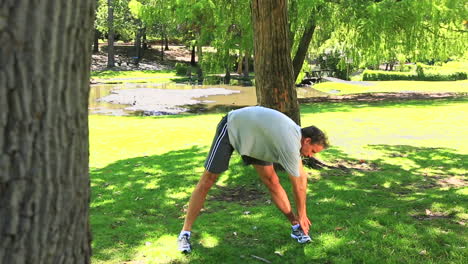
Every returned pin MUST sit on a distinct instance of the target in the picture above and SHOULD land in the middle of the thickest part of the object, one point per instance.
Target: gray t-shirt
(266, 134)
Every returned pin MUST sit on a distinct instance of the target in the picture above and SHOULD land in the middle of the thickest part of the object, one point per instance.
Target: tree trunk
(166, 41)
(245, 71)
(199, 68)
(162, 46)
(137, 44)
(274, 76)
(144, 41)
(192, 58)
(304, 43)
(96, 41)
(227, 77)
(110, 38)
(44, 181)
(240, 63)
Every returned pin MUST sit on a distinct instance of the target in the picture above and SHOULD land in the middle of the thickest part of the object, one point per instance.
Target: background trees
(44, 181)
(339, 35)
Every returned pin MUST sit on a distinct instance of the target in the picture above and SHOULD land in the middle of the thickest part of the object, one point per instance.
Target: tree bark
(166, 41)
(137, 43)
(110, 38)
(304, 43)
(245, 71)
(144, 40)
(96, 41)
(192, 58)
(44, 183)
(274, 76)
(240, 64)
(199, 68)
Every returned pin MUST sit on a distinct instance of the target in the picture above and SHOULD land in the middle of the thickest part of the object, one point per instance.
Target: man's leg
(198, 198)
(278, 194)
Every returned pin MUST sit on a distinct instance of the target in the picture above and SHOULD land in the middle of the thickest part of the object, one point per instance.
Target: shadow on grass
(358, 216)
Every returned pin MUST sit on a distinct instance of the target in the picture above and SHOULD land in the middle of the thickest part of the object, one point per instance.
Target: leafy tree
(124, 24)
(44, 180)
(369, 32)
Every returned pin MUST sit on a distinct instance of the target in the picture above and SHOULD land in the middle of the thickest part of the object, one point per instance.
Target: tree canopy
(361, 32)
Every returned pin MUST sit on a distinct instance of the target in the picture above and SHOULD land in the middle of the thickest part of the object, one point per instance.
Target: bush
(421, 73)
(181, 68)
(370, 75)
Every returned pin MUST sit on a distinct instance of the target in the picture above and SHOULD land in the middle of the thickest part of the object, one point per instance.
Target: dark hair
(316, 135)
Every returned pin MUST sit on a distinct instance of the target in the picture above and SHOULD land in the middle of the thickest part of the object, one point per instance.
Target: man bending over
(262, 136)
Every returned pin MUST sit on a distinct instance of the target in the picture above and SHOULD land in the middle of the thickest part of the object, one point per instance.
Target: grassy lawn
(134, 76)
(400, 204)
(394, 86)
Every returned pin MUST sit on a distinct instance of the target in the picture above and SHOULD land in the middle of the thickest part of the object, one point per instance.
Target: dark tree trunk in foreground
(274, 76)
(44, 85)
(96, 41)
(304, 43)
(110, 38)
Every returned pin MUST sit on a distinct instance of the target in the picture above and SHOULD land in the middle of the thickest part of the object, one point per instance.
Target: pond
(171, 98)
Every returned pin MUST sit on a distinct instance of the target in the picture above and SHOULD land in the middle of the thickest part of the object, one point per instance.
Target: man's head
(313, 141)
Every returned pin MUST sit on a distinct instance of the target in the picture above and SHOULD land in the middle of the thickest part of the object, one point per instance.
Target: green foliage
(182, 68)
(124, 22)
(372, 32)
(422, 72)
(392, 87)
(337, 62)
(371, 75)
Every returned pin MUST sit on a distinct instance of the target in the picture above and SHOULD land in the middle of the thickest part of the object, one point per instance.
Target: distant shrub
(181, 68)
(370, 75)
(422, 72)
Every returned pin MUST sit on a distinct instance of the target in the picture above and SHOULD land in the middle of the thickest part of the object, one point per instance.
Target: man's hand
(305, 223)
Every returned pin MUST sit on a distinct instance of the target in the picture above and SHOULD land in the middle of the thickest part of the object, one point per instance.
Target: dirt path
(336, 80)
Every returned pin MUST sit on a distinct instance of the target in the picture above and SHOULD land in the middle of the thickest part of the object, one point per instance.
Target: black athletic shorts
(221, 151)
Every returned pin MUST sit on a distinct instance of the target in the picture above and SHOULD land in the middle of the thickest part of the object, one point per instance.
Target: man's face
(309, 149)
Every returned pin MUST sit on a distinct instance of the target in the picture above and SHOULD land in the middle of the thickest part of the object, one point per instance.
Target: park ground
(396, 190)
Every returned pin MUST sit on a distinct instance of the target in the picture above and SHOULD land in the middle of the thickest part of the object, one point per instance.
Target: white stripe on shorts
(215, 148)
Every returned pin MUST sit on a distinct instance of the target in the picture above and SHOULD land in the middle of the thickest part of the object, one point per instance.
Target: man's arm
(299, 185)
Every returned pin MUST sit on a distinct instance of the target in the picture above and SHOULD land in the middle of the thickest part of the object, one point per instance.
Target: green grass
(394, 87)
(148, 75)
(143, 170)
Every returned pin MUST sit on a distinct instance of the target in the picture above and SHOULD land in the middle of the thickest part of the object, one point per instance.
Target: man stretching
(262, 136)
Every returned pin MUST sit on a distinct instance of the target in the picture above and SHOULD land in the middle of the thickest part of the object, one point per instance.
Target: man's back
(266, 134)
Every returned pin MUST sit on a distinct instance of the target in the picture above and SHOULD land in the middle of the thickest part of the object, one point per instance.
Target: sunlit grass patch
(393, 87)
(143, 170)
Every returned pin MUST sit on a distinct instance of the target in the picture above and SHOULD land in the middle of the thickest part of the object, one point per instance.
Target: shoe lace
(185, 240)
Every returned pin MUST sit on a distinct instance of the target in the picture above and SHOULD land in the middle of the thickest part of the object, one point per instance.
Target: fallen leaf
(423, 252)
(339, 228)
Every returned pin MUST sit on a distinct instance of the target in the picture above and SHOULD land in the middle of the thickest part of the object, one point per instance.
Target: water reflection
(243, 96)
